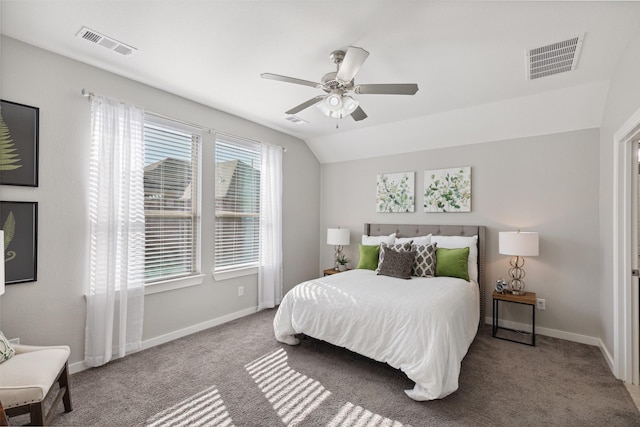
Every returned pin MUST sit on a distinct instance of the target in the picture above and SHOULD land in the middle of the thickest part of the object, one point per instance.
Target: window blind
(171, 200)
(237, 203)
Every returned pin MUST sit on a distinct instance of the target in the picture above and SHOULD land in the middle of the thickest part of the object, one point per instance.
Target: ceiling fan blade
(359, 114)
(351, 63)
(305, 104)
(289, 80)
(387, 89)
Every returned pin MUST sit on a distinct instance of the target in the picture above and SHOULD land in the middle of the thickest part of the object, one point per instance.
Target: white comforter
(423, 326)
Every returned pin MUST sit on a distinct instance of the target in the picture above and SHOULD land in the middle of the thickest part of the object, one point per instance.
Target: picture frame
(19, 220)
(447, 190)
(395, 192)
(19, 141)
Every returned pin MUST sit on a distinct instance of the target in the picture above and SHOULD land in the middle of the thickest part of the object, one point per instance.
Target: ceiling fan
(337, 103)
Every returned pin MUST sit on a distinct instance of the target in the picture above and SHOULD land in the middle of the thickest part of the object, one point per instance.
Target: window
(237, 203)
(171, 192)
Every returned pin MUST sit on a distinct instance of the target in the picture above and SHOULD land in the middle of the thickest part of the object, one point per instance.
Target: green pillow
(368, 257)
(453, 262)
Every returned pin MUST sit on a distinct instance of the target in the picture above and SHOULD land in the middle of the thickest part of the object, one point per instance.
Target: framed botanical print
(395, 192)
(19, 134)
(19, 222)
(447, 190)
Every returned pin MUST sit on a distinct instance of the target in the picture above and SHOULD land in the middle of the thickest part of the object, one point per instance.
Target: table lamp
(518, 244)
(339, 237)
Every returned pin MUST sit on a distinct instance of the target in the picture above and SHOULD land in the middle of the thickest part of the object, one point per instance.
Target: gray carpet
(238, 374)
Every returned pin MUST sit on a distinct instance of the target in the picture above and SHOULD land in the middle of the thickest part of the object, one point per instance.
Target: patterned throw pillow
(425, 263)
(397, 264)
(6, 349)
(400, 247)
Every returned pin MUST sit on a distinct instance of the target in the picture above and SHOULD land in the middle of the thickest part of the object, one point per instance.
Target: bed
(423, 326)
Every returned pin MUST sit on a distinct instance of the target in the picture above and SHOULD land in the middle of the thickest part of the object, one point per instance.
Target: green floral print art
(447, 190)
(395, 192)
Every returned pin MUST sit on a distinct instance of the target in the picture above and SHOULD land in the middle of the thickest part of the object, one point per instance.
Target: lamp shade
(518, 243)
(338, 236)
(2, 262)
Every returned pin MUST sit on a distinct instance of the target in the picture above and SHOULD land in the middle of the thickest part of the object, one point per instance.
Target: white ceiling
(468, 59)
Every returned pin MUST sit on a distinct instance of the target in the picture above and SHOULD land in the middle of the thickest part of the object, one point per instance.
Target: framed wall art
(19, 134)
(447, 190)
(19, 222)
(395, 192)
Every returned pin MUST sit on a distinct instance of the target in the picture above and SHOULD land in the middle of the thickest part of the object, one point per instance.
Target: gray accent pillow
(425, 263)
(397, 264)
(399, 247)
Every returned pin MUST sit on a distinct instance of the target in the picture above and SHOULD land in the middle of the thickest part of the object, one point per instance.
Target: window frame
(245, 269)
(196, 277)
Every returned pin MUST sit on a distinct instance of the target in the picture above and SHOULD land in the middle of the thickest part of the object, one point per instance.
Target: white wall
(623, 100)
(52, 310)
(547, 184)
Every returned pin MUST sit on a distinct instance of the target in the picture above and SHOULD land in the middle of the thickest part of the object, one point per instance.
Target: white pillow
(420, 240)
(453, 242)
(376, 240)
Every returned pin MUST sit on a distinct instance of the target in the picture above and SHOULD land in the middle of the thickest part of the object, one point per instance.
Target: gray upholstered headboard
(413, 230)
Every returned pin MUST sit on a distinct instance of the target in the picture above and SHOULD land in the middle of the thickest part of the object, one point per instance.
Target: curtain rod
(90, 95)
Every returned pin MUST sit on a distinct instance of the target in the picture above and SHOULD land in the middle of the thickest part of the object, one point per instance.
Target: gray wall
(547, 184)
(52, 310)
(623, 100)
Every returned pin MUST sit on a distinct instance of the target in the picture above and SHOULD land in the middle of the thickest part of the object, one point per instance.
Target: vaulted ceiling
(468, 59)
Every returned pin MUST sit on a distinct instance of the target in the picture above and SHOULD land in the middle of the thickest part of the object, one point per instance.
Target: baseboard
(152, 342)
(554, 333)
(607, 356)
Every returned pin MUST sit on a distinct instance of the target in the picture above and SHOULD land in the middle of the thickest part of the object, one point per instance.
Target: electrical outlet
(240, 291)
(541, 304)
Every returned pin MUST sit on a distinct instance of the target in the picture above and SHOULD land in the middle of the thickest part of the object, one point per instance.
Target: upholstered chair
(27, 378)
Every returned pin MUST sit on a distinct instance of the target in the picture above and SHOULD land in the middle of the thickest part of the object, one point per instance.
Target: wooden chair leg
(63, 382)
(37, 414)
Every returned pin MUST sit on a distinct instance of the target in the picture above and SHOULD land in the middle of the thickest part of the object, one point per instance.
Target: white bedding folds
(423, 326)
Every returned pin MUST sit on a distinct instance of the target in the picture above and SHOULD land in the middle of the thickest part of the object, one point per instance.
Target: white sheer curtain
(115, 298)
(270, 265)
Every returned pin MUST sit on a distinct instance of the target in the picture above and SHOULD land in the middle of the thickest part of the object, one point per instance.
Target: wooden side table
(529, 298)
(330, 271)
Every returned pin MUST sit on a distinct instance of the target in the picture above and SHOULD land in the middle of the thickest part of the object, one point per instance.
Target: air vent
(297, 120)
(554, 58)
(108, 42)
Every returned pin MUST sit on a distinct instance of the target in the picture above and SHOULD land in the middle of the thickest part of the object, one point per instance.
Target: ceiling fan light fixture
(333, 102)
(349, 104)
(346, 106)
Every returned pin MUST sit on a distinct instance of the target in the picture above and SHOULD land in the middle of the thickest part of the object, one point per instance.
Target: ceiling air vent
(297, 120)
(102, 40)
(554, 58)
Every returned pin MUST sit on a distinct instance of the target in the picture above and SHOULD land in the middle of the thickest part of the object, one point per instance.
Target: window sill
(169, 285)
(232, 274)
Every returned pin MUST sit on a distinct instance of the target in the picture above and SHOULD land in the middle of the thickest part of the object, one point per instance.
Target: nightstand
(529, 298)
(330, 271)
